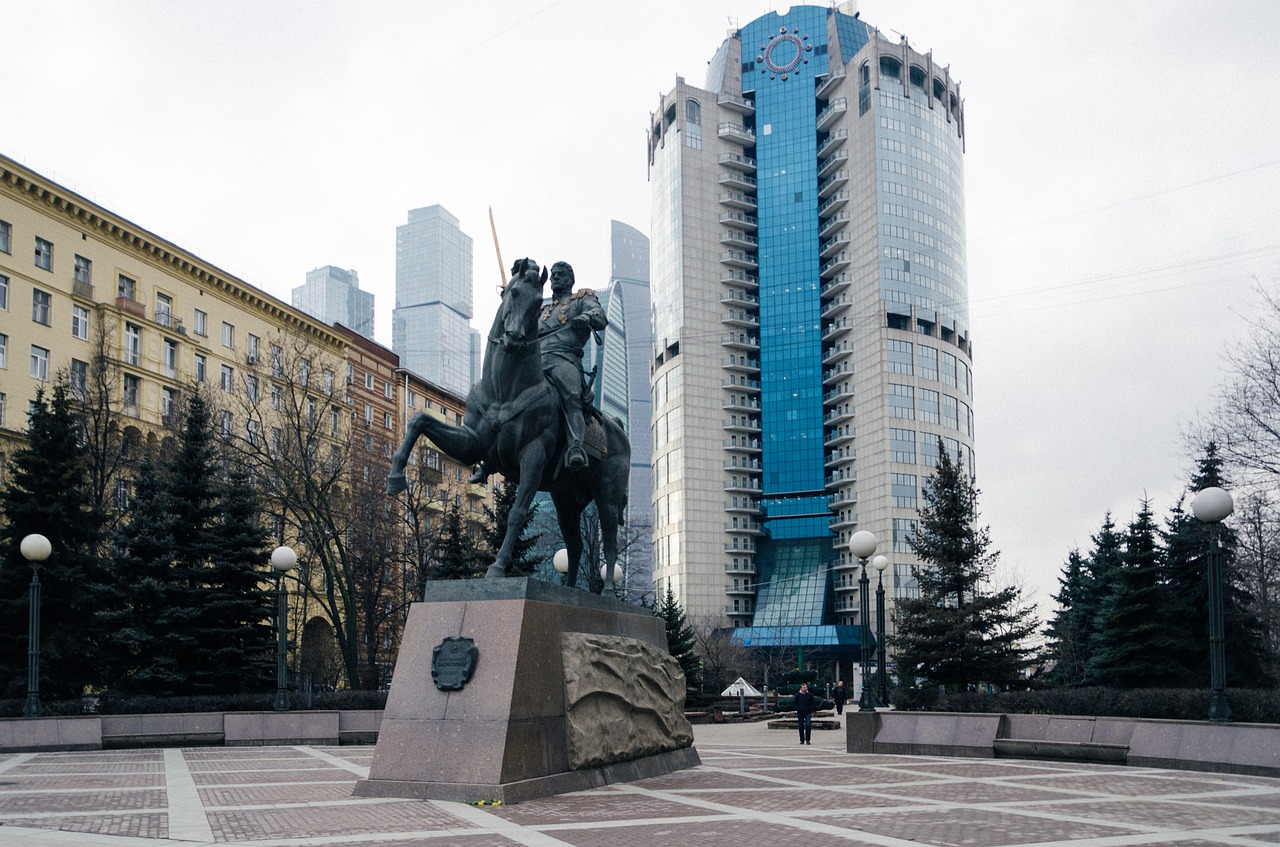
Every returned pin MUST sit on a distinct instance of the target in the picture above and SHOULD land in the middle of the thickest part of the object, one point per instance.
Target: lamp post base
(1219, 708)
(31, 709)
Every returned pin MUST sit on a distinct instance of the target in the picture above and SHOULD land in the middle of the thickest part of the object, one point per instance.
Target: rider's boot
(479, 475)
(575, 456)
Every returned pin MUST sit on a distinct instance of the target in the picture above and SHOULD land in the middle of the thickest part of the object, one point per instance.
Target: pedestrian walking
(804, 704)
(840, 696)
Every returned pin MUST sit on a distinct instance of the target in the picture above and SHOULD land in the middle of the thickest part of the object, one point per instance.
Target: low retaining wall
(196, 729)
(1189, 745)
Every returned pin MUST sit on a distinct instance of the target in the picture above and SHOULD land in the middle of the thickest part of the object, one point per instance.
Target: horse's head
(521, 303)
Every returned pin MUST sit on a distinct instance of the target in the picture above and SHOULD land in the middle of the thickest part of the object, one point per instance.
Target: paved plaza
(755, 787)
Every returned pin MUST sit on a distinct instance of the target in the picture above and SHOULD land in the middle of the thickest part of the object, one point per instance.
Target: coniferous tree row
(680, 639)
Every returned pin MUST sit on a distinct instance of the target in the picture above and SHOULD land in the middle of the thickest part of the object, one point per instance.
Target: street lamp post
(882, 676)
(863, 545)
(35, 549)
(283, 560)
(1213, 506)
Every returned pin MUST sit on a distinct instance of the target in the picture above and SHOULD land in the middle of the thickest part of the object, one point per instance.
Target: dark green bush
(107, 703)
(1248, 705)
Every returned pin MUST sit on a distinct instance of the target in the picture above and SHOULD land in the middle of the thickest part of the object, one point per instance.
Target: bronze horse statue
(515, 426)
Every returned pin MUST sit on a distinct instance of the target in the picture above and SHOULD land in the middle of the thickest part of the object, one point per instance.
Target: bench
(1067, 751)
(1071, 739)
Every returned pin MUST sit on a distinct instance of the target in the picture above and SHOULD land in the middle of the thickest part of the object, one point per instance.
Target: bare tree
(1246, 423)
(1258, 561)
(95, 394)
(723, 659)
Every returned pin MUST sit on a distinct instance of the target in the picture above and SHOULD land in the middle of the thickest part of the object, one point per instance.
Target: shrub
(1248, 705)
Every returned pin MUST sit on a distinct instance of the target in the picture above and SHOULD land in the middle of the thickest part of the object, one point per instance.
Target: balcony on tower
(741, 364)
(741, 341)
(741, 423)
(831, 204)
(838, 436)
(829, 185)
(839, 394)
(833, 354)
(828, 116)
(830, 375)
(737, 161)
(834, 224)
(740, 259)
(739, 317)
(837, 242)
(835, 285)
(836, 304)
(737, 179)
(742, 444)
(840, 456)
(827, 166)
(731, 131)
(733, 404)
(834, 265)
(747, 222)
(744, 567)
(842, 477)
(738, 238)
(831, 81)
(844, 497)
(749, 282)
(837, 138)
(736, 103)
(836, 328)
(839, 414)
(737, 297)
(738, 200)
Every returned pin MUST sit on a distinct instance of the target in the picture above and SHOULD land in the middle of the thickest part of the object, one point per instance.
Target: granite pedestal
(569, 691)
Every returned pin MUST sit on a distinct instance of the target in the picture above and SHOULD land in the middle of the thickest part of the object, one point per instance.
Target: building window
(170, 358)
(252, 349)
(277, 360)
(202, 367)
(41, 306)
(929, 406)
(6, 237)
(201, 323)
(132, 344)
(413, 400)
(304, 372)
(328, 382)
(900, 357)
(164, 309)
(252, 427)
(131, 384)
(79, 375)
(226, 423)
(228, 335)
(166, 403)
(2, 405)
(368, 415)
(311, 411)
(904, 490)
(4, 292)
(228, 378)
(902, 445)
(276, 398)
(126, 287)
(904, 529)
(928, 361)
(4, 351)
(44, 254)
(693, 124)
(386, 420)
(902, 401)
(82, 272)
(122, 495)
(368, 381)
(80, 322)
(335, 420)
(386, 390)
(251, 386)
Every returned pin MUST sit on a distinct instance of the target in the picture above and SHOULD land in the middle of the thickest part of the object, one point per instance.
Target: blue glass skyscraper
(811, 345)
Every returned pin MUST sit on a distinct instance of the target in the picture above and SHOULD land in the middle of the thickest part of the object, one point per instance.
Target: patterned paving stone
(80, 801)
(700, 778)
(835, 775)
(1171, 815)
(793, 799)
(970, 827)
(256, 777)
(969, 793)
(258, 795)
(12, 782)
(725, 832)
(150, 825)
(1154, 784)
(316, 821)
(79, 768)
(593, 806)
(969, 768)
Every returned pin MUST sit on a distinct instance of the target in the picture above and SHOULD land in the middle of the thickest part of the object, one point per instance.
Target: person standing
(804, 704)
(839, 695)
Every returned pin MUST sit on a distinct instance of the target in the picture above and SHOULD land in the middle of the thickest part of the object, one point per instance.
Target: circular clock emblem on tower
(786, 51)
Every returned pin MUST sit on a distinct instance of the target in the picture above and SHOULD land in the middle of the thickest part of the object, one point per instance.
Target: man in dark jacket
(805, 708)
(839, 695)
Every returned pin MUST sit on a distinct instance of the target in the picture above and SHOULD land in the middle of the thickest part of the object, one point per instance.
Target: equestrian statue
(530, 418)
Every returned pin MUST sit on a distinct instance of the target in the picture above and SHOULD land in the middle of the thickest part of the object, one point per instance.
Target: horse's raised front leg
(460, 443)
(531, 464)
(395, 477)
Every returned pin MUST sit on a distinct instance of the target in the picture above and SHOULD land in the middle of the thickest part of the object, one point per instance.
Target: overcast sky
(1122, 179)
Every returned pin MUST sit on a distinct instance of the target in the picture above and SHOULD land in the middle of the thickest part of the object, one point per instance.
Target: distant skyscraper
(430, 327)
(333, 295)
(622, 387)
(811, 341)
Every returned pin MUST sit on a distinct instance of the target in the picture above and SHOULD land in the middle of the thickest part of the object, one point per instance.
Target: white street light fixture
(283, 560)
(35, 548)
(1212, 506)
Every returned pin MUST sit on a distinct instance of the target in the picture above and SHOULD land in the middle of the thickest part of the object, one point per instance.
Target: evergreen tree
(48, 493)
(457, 554)
(1138, 643)
(234, 625)
(137, 592)
(1187, 542)
(1070, 628)
(524, 559)
(1104, 565)
(959, 632)
(680, 640)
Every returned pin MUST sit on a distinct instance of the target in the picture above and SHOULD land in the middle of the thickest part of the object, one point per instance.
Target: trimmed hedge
(1248, 705)
(107, 704)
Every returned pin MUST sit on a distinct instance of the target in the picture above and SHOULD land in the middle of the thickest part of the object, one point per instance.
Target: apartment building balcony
(831, 81)
(835, 353)
(733, 404)
(835, 285)
(747, 507)
(740, 259)
(832, 203)
(746, 545)
(829, 375)
(837, 415)
(131, 306)
(836, 328)
(740, 341)
(81, 289)
(745, 527)
(838, 436)
(731, 131)
(749, 282)
(735, 297)
(841, 477)
(741, 424)
(845, 497)
(744, 445)
(842, 391)
(847, 520)
(828, 248)
(828, 116)
(747, 222)
(745, 164)
(738, 200)
(741, 569)
(737, 383)
(736, 102)
(841, 456)
(738, 317)
(828, 165)
(834, 224)
(742, 364)
(829, 185)
(169, 320)
(740, 181)
(844, 301)
(837, 138)
(747, 589)
(834, 265)
(737, 238)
